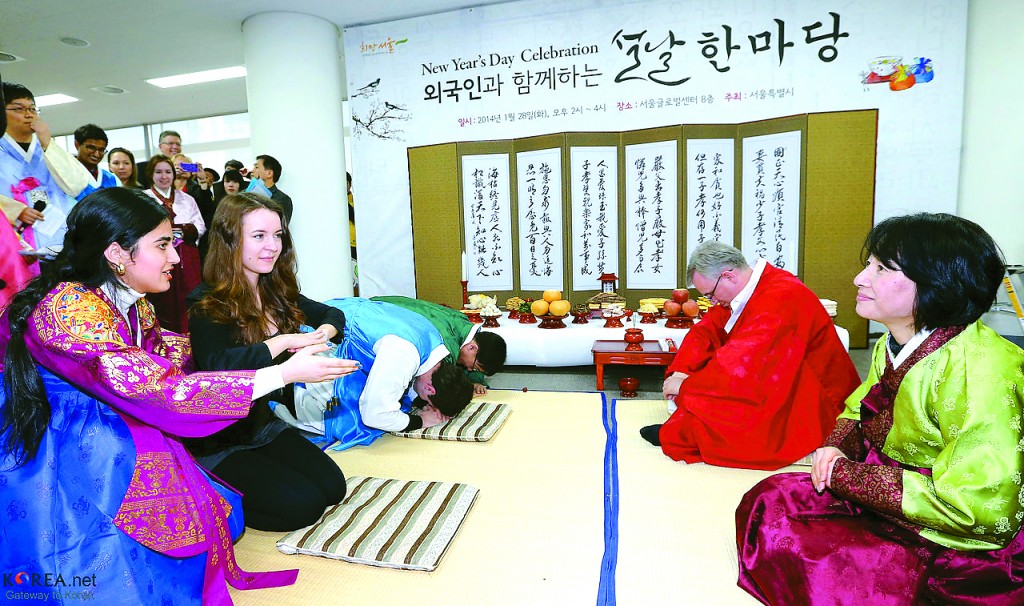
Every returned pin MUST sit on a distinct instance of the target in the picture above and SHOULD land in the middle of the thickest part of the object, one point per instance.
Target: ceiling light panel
(210, 75)
(54, 99)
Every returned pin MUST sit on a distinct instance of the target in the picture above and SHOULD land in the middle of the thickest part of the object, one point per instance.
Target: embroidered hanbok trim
(876, 486)
(847, 437)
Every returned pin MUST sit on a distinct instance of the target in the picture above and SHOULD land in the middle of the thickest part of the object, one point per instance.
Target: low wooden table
(614, 352)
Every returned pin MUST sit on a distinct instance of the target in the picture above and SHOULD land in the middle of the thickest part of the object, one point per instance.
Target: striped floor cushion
(478, 422)
(390, 523)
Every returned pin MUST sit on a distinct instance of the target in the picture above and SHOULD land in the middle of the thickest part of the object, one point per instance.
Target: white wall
(992, 161)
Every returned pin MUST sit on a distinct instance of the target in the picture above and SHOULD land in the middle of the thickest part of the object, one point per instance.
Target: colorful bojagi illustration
(898, 74)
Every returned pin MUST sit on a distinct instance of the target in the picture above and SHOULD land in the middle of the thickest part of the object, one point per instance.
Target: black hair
(89, 131)
(13, 92)
(491, 355)
(115, 214)
(954, 263)
(452, 389)
(271, 163)
(235, 164)
(234, 176)
(124, 151)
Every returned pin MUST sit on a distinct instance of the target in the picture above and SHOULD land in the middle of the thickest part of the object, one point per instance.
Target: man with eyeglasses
(36, 178)
(14, 269)
(759, 381)
(91, 143)
(169, 143)
(479, 353)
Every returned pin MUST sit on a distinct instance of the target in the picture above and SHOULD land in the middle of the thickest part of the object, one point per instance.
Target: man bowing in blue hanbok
(403, 383)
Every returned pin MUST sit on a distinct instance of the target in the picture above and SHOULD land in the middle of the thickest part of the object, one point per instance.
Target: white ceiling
(132, 40)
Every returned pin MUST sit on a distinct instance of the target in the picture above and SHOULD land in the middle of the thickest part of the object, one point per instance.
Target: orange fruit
(559, 308)
(539, 308)
(552, 295)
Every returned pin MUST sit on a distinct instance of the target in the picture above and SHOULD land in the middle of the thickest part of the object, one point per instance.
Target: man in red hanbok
(758, 382)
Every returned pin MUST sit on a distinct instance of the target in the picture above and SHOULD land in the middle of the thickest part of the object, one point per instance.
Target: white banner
(771, 199)
(540, 219)
(520, 69)
(594, 174)
(710, 202)
(651, 209)
(487, 217)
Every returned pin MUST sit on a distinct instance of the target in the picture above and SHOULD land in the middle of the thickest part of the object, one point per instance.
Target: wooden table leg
(600, 376)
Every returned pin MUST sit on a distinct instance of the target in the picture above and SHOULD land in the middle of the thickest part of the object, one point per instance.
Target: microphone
(40, 205)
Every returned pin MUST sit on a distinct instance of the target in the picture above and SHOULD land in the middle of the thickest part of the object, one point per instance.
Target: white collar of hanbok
(27, 155)
(123, 298)
(440, 353)
(739, 302)
(911, 345)
(472, 334)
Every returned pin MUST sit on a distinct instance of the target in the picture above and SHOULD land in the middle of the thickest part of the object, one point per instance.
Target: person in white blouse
(187, 227)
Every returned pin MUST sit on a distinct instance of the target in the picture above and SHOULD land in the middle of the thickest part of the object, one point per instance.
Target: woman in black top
(246, 315)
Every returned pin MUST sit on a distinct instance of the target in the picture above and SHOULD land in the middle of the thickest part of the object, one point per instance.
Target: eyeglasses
(93, 149)
(171, 143)
(24, 110)
(711, 295)
(476, 363)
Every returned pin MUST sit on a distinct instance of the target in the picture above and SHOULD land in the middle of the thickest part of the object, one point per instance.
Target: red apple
(680, 295)
(673, 308)
(691, 309)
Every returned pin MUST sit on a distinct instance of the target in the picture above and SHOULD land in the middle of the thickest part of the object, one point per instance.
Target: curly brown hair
(230, 298)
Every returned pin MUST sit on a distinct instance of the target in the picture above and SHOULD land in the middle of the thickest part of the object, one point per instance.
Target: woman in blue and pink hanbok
(94, 481)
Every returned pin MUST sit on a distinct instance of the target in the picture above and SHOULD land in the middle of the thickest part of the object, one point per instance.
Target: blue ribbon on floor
(606, 586)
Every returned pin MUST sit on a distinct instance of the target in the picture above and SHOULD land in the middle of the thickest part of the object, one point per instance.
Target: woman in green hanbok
(916, 496)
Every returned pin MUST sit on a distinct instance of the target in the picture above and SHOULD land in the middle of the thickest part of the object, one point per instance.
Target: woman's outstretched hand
(306, 367)
(293, 342)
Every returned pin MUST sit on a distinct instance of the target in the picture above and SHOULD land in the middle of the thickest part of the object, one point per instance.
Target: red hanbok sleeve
(700, 343)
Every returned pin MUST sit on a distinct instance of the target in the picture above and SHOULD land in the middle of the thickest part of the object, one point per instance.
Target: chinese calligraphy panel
(540, 219)
(771, 199)
(487, 220)
(651, 216)
(594, 178)
(710, 191)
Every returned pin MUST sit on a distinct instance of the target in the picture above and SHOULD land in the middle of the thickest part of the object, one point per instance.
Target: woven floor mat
(390, 523)
(478, 422)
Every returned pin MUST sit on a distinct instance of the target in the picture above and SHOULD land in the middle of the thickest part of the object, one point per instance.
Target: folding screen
(555, 211)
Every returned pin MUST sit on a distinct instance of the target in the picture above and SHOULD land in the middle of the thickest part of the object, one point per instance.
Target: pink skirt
(798, 547)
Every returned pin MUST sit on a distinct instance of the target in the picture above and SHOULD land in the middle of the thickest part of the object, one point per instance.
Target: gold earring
(119, 269)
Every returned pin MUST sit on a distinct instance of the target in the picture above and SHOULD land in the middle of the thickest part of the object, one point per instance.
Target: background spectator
(188, 226)
(122, 164)
(170, 144)
(91, 143)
